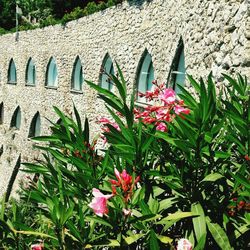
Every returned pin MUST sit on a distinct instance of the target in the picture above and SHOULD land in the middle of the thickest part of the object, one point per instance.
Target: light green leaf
(166, 203)
(164, 239)
(219, 235)
(179, 215)
(213, 177)
(199, 222)
(131, 239)
(240, 231)
(109, 243)
(98, 220)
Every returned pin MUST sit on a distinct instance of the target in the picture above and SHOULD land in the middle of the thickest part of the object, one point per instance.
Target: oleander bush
(178, 168)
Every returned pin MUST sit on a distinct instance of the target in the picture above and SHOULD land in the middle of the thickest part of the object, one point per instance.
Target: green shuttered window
(16, 119)
(77, 75)
(146, 75)
(52, 73)
(12, 78)
(30, 73)
(108, 68)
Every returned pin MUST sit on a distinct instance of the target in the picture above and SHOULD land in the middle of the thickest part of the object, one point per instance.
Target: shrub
(178, 169)
(2, 31)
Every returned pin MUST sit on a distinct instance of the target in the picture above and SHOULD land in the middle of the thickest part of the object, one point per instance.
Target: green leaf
(131, 239)
(219, 235)
(98, 220)
(46, 138)
(108, 243)
(200, 245)
(153, 242)
(121, 88)
(34, 233)
(199, 222)
(222, 155)
(177, 215)
(144, 208)
(241, 230)
(166, 203)
(78, 119)
(241, 179)
(164, 239)
(213, 177)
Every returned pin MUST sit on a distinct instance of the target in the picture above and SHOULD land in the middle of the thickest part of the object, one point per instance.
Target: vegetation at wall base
(177, 169)
(42, 13)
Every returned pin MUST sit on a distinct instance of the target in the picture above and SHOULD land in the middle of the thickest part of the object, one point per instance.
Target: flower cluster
(125, 182)
(237, 206)
(165, 108)
(104, 121)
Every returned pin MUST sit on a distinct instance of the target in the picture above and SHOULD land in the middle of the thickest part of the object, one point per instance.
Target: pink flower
(162, 127)
(99, 202)
(179, 109)
(104, 120)
(38, 246)
(184, 244)
(149, 95)
(163, 114)
(124, 179)
(168, 96)
(149, 120)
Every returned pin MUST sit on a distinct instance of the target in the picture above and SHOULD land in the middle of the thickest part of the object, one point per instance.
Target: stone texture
(215, 35)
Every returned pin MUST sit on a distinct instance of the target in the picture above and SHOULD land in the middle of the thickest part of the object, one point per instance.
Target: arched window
(77, 75)
(108, 69)
(35, 126)
(52, 74)
(145, 76)
(178, 71)
(1, 113)
(12, 79)
(30, 73)
(16, 119)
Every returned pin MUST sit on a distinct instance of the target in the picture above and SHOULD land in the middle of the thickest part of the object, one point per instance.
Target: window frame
(143, 76)
(27, 83)
(174, 68)
(10, 71)
(48, 84)
(16, 119)
(33, 126)
(108, 67)
(1, 113)
(80, 76)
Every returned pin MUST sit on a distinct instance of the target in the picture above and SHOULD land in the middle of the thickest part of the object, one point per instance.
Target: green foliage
(41, 13)
(194, 179)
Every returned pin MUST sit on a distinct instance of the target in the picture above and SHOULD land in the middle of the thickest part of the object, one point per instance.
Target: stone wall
(216, 38)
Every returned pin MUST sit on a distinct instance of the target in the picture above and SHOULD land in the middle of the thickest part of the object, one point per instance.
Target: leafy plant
(177, 169)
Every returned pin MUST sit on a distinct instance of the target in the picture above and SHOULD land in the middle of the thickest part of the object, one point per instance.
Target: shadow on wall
(138, 2)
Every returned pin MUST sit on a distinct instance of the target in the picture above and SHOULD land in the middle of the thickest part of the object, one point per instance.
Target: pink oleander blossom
(38, 246)
(179, 109)
(162, 127)
(104, 120)
(184, 244)
(168, 96)
(99, 202)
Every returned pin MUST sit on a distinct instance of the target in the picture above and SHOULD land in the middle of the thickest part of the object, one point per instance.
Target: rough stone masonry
(216, 36)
